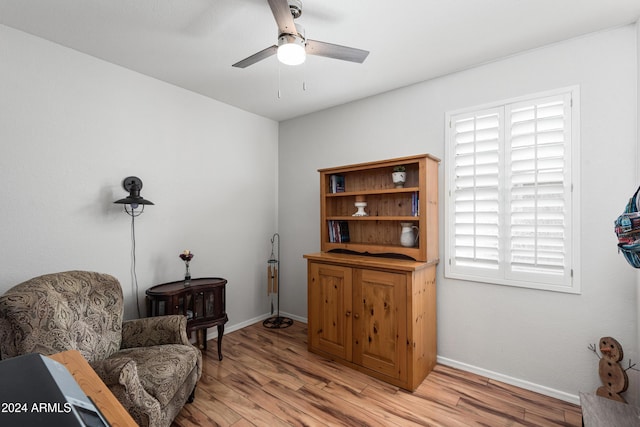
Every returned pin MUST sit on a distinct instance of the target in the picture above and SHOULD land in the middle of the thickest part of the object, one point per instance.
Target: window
(512, 209)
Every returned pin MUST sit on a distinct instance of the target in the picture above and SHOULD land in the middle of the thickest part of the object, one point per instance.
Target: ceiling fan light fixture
(292, 42)
(291, 49)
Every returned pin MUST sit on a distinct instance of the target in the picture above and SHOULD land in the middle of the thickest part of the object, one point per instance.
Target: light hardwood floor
(268, 378)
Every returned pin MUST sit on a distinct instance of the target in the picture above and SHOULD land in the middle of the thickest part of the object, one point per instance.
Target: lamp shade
(291, 49)
(134, 201)
(291, 54)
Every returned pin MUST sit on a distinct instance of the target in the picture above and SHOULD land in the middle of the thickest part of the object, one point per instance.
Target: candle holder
(186, 256)
(361, 203)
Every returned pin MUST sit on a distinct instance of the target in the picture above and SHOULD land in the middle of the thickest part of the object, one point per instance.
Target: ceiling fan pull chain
(279, 94)
(304, 78)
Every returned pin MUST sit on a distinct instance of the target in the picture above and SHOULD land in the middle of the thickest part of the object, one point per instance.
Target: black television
(37, 391)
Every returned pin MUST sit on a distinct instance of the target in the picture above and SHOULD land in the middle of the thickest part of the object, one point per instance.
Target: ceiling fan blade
(263, 54)
(330, 50)
(283, 17)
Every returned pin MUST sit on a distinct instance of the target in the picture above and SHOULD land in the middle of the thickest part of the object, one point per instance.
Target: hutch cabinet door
(379, 322)
(329, 294)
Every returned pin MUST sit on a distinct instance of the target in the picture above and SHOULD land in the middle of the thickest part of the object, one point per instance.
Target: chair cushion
(159, 367)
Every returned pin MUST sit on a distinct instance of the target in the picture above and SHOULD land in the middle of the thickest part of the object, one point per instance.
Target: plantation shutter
(509, 214)
(538, 188)
(476, 195)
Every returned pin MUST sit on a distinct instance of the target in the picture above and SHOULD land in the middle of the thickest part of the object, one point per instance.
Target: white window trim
(470, 274)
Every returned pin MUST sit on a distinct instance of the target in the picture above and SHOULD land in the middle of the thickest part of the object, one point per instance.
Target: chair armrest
(151, 331)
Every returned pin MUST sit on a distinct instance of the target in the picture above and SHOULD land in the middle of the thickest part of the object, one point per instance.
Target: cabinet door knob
(348, 313)
(356, 316)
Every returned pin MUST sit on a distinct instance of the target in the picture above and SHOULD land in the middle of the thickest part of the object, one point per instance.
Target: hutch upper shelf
(389, 209)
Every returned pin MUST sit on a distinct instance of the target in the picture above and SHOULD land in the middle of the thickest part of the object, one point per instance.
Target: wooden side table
(601, 412)
(203, 302)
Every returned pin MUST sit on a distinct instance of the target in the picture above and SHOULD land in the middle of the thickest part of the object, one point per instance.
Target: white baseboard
(213, 332)
(294, 317)
(567, 397)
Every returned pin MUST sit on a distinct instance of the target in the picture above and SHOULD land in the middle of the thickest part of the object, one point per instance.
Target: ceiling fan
(293, 46)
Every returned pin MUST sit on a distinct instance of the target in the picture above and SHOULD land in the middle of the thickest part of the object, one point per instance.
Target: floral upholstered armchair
(148, 364)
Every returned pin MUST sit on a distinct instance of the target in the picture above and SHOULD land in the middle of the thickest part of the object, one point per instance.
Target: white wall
(72, 127)
(536, 339)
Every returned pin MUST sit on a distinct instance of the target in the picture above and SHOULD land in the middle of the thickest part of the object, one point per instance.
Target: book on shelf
(415, 205)
(336, 183)
(338, 231)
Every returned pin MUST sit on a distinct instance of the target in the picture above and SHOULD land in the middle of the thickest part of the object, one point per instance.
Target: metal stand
(277, 321)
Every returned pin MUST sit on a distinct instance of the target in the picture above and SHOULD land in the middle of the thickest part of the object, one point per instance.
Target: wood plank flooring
(268, 378)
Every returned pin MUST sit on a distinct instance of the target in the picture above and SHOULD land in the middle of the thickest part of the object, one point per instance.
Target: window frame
(570, 280)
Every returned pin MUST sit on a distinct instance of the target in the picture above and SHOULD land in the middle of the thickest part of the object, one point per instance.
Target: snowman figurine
(614, 378)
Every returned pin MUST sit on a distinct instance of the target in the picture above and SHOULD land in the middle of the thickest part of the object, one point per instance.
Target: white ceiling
(192, 43)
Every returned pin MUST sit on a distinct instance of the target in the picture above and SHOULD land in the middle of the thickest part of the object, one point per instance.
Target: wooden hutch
(371, 299)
